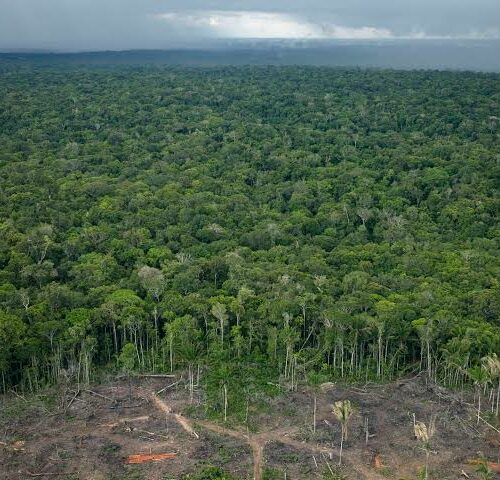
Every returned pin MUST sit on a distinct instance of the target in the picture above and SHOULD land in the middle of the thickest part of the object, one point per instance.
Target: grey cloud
(122, 24)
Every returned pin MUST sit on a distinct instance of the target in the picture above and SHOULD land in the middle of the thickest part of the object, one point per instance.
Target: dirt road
(258, 442)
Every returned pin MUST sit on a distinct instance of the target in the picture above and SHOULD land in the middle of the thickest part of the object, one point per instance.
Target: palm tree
(343, 411)
(480, 378)
(491, 364)
(424, 435)
(315, 381)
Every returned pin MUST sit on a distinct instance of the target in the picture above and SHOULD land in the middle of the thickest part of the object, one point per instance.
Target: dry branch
(72, 400)
(46, 474)
(18, 396)
(152, 434)
(168, 386)
(125, 420)
(100, 395)
(489, 424)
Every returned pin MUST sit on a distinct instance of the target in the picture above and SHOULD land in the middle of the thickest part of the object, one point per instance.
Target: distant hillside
(402, 54)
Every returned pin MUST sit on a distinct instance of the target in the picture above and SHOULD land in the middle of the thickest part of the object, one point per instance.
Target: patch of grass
(209, 473)
(333, 473)
(109, 448)
(192, 411)
(290, 411)
(386, 472)
(14, 407)
(225, 454)
(272, 474)
(248, 382)
(289, 457)
(133, 473)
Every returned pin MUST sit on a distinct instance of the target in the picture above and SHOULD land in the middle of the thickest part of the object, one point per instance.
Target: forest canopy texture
(263, 221)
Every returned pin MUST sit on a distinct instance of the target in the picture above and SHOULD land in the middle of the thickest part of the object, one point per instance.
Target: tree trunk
(478, 405)
(225, 402)
(379, 359)
(314, 414)
(171, 342)
(115, 336)
(498, 398)
(429, 361)
(222, 333)
(427, 452)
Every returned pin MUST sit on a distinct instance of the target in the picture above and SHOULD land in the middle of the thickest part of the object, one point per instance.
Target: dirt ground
(88, 436)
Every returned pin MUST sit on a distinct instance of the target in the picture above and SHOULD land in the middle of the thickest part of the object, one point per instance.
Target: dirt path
(181, 420)
(257, 442)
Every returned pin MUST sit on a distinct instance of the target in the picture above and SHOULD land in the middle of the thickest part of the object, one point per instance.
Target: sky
(84, 25)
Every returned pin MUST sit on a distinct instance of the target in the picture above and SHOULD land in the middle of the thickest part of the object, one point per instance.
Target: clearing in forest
(103, 433)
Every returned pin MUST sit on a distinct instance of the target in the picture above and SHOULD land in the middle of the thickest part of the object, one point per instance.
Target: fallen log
(47, 474)
(153, 434)
(489, 424)
(168, 386)
(72, 400)
(149, 457)
(100, 395)
(121, 421)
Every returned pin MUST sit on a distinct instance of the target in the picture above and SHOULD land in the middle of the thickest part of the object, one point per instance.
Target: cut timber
(478, 461)
(149, 457)
(377, 461)
(155, 375)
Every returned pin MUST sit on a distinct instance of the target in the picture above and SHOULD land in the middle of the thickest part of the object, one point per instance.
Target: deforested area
(248, 272)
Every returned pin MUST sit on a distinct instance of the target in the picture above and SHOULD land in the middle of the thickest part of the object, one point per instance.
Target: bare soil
(88, 436)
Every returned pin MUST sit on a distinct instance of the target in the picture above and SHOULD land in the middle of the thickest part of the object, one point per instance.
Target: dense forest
(248, 225)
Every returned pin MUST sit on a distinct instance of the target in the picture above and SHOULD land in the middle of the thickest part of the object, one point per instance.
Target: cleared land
(92, 435)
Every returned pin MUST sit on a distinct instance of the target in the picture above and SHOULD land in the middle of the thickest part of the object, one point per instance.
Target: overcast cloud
(125, 24)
